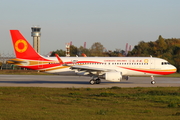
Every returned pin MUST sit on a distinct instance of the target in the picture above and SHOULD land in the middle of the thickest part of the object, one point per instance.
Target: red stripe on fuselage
(150, 71)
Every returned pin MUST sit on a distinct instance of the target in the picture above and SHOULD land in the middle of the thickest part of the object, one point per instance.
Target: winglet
(84, 55)
(59, 59)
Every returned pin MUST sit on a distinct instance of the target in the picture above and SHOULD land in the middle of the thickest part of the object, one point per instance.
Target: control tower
(36, 34)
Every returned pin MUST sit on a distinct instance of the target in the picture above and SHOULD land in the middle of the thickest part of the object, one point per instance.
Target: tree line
(97, 49)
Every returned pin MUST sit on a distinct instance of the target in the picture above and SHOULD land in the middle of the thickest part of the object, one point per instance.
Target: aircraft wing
(90, 69)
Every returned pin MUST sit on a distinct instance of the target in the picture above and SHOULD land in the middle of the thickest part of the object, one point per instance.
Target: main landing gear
(95, 81)
(152, 81)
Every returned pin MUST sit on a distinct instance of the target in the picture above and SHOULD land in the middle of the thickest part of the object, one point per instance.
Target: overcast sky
(111, 22)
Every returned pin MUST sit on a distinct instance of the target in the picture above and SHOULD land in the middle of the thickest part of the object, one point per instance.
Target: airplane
(112, 69)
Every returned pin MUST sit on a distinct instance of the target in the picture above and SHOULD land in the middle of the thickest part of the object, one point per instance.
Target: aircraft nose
(174, 68)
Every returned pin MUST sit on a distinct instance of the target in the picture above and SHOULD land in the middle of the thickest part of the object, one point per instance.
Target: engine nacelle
(113, 76)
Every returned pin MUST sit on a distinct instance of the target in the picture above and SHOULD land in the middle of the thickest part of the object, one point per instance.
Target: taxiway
(55, 81)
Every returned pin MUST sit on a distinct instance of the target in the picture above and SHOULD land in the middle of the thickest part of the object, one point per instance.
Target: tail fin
(59, 59)
(22, 47)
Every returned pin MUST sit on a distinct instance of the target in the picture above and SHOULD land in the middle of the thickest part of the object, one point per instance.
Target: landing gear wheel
(91, 82)
(98, 81)
(153, 82)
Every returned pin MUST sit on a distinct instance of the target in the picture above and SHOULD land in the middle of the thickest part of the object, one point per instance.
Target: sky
(113, 23)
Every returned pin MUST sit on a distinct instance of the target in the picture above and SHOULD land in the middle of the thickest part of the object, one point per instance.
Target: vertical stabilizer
(22, 47)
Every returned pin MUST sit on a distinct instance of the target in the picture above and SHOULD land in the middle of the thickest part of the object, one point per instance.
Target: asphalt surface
(55, 81)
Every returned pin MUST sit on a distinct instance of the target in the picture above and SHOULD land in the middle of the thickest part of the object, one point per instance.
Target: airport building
(36, 34)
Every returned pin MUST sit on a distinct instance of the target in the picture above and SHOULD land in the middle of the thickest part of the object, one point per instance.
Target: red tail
(22, 48)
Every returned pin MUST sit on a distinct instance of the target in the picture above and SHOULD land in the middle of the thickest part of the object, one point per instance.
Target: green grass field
(20, 103)
(23, 103)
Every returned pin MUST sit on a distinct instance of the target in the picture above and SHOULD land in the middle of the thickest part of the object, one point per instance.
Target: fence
(3, 58)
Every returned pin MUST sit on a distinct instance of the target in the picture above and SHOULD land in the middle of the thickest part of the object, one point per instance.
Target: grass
(89, 103)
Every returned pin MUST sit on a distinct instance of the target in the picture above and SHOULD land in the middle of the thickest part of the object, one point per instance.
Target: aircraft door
(152, 63)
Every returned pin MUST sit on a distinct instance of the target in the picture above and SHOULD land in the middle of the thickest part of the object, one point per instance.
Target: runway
(55, 81)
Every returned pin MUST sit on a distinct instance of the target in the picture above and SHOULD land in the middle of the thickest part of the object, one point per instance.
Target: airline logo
(21, 46)
(146, 61)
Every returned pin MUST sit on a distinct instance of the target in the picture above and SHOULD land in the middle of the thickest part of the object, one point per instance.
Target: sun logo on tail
(21, 46)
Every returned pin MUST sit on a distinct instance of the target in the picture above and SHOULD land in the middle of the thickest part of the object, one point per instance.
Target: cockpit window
(165, 63)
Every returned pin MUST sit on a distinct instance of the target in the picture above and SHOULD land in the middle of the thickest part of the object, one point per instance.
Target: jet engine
(113, 76)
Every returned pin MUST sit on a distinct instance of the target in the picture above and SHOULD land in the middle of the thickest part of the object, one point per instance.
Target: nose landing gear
(152, 81)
